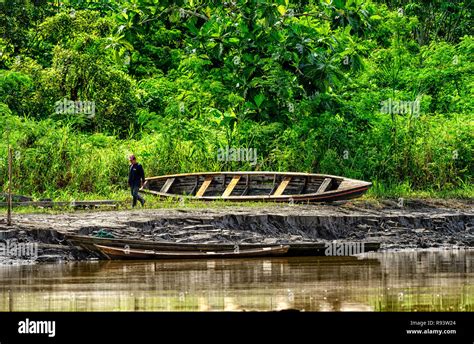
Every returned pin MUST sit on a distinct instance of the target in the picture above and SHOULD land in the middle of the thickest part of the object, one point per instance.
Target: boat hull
(119, 253)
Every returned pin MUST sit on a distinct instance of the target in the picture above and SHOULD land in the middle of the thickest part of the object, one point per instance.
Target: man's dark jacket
(135, 175)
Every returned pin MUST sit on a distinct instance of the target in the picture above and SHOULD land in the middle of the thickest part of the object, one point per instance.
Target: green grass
(374, 196)
(381, 191)
(124, 203)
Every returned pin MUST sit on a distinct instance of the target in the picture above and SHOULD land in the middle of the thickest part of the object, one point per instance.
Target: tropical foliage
(376, 90)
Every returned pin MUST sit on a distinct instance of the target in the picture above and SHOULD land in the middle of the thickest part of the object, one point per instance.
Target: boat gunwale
(265, 173)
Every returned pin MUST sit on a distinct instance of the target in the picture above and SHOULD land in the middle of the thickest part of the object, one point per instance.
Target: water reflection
(399, 281)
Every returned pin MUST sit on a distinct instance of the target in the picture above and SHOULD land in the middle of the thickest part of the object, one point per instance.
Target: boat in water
(93, 244)
(128, 253)
(256, 186)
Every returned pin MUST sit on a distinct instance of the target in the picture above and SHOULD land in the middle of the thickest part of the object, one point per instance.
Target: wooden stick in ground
(9, 210)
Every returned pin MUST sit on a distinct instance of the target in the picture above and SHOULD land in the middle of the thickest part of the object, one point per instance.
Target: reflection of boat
(295, 249)
(127, 253)
(256, 186)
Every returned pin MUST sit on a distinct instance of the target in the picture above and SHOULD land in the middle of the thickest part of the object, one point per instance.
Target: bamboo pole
(9, 210)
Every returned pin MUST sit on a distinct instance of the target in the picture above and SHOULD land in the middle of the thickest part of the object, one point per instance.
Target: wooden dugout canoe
(128, 253)
(298, 249)
(256, 186)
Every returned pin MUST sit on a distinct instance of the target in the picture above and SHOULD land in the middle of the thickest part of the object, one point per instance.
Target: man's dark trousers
(136, 196)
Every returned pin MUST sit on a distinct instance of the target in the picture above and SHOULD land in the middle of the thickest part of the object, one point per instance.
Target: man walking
(136, 178)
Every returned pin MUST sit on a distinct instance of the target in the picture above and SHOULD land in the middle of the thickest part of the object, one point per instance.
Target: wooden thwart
(167, 185)
(282, 186)
(231, 186)
(204, 186)
(324, 185)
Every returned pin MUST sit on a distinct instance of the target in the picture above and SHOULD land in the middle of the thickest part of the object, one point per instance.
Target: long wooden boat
(295, 249)
(128, 253)
(256, 186)
(73, 204)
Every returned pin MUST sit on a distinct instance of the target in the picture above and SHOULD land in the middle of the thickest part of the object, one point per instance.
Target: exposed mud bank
(418, 224)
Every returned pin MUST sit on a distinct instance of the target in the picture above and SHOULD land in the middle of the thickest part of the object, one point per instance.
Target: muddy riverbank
(416, 224)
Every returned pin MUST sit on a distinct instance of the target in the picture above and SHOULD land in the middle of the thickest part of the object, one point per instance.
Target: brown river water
(385, 281)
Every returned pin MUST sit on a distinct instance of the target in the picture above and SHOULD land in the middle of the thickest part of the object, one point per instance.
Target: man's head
(132, 159)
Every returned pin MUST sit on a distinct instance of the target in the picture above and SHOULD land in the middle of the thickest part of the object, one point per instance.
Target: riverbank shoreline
(415, 224)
